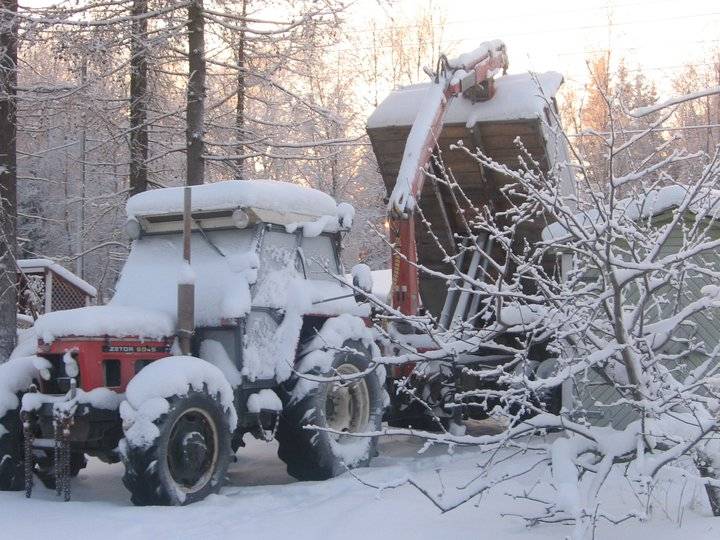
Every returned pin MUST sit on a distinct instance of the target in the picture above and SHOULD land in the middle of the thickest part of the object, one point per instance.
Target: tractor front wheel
(189, 458)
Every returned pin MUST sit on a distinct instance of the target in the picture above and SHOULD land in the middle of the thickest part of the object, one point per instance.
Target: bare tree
(590, 113)
(195, 114)
(138, 97)
(8, 177)
(259, 112)
(241, 89)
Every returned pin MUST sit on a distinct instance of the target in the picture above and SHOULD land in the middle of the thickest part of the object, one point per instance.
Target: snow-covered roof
(652, 203)
(30, 265)
(264, 194)
(517, 97)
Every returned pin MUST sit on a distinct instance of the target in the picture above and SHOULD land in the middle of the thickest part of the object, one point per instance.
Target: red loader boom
(472, 75)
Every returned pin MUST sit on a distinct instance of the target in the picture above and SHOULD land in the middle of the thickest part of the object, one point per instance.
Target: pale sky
(659, 35)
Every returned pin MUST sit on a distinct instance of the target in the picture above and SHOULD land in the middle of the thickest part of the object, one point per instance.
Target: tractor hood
(112, 320)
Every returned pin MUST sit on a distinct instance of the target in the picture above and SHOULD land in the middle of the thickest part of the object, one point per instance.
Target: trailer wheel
(550, 400)
(12, 475)
(425, 412)
(352, 407)
(189, 458)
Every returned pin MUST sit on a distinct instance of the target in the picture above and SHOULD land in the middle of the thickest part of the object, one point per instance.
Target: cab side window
(319, 257)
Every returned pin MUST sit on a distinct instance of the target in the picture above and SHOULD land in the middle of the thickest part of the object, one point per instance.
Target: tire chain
(56, 454)
(28, 459)
(62, 422)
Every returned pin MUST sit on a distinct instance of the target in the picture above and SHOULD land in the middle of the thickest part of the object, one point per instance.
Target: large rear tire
(189, 458)
(355, 406)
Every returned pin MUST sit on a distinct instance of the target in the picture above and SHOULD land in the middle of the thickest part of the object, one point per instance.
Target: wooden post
(186, 291)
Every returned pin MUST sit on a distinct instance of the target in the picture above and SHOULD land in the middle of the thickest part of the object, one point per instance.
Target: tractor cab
(249, 251)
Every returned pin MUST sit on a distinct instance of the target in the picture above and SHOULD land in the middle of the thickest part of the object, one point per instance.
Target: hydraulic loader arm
(472, 75)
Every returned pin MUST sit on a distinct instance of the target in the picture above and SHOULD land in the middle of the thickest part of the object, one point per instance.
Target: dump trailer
(471, 102)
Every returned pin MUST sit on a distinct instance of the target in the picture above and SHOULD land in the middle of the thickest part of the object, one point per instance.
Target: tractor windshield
(150, 276)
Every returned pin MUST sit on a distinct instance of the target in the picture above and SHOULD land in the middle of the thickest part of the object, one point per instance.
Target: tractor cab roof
(214, 205)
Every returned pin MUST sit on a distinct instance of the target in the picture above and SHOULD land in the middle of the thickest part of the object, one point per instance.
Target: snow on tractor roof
(281, 197)
(519, 96)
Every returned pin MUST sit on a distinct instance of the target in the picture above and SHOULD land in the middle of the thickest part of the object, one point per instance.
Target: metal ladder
(462, 305)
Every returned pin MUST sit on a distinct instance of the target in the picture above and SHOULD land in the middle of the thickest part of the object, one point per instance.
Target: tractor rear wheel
(189, 458)
(352, 406)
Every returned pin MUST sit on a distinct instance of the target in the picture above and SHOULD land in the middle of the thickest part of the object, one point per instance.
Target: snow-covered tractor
(276, 343)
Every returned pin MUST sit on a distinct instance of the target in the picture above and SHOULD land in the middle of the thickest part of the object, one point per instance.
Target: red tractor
(226, 321)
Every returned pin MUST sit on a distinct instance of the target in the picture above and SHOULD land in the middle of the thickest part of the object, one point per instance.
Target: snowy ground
(261, 501)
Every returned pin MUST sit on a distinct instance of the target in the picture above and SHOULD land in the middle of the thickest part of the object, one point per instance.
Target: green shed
(597, 398)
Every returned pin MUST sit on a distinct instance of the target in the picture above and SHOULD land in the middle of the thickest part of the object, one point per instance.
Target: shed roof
(647, 205)
(29, 265)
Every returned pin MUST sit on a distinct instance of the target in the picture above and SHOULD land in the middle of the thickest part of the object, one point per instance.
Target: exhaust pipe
(186, 291)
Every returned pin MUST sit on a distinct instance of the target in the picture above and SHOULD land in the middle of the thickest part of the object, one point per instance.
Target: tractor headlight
(133, 229)
(240, 218)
